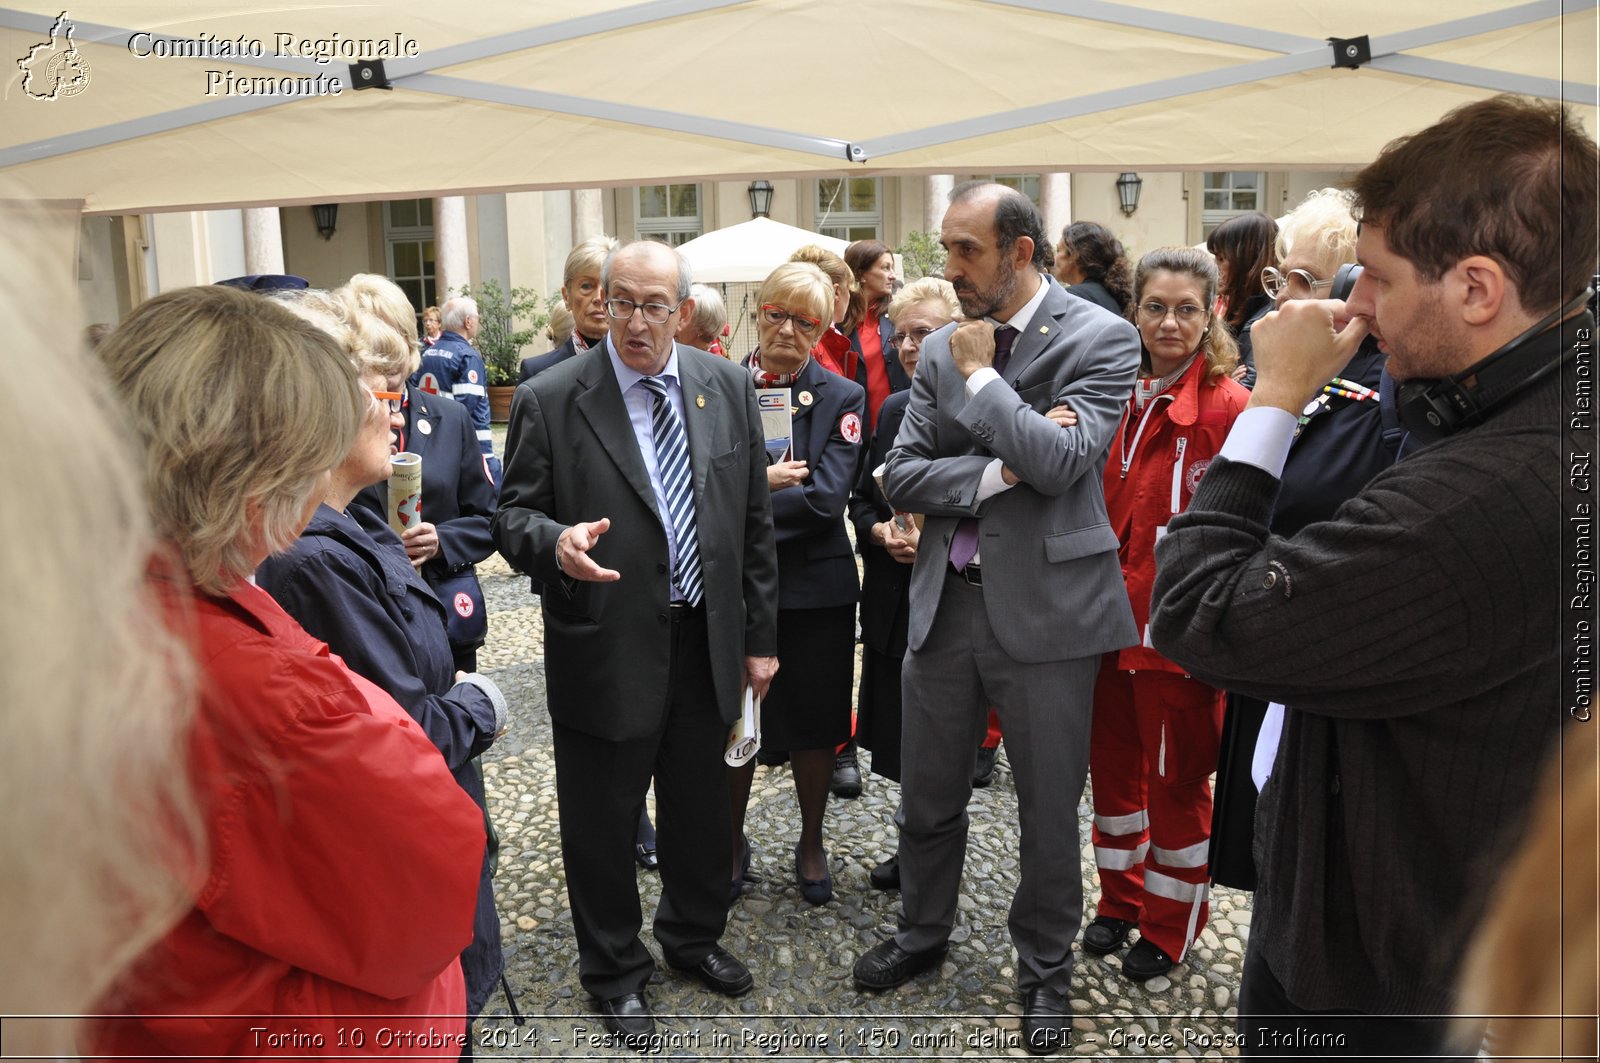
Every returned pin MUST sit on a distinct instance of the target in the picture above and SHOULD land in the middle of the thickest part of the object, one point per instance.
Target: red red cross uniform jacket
(1155, 731)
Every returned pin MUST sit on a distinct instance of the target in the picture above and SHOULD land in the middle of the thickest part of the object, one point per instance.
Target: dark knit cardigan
(1414, 640)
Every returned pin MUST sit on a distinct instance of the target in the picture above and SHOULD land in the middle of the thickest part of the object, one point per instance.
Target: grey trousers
(948, 686)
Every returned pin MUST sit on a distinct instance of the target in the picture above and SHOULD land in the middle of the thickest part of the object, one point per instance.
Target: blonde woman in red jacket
(1153, 744)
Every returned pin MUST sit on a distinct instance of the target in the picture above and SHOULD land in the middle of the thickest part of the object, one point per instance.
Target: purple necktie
(964, 543)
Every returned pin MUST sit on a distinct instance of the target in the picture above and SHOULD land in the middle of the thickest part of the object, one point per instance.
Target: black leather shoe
(1106, 935)
(886, 876)
(719, 972)
(1046, 1021)
(1144, 961)
(645, 856)
(629, 1018)
(846, 774)
(983, 768)
(816, 891)
(888, 965)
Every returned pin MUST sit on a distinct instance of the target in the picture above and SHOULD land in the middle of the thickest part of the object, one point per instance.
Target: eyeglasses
(1154, 313)
(655, 313)
(392, 398)
(1299, 283)
(914, 337)
(777, 315)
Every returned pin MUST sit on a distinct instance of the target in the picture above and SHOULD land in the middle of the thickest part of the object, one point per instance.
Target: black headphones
(1433, 409)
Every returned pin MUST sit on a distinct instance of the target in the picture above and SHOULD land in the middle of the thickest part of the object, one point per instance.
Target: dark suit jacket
(538, 363)
(571, 456)
(885, 581)
(816, 566)
(1052, 585)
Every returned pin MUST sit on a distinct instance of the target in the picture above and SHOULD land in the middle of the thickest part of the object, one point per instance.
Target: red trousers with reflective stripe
(1152, 750)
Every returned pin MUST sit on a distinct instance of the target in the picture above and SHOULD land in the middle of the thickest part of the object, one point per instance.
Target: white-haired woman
(458, 496)
(703, 328)
(348, 581)
(330, 816)
(1340, 444)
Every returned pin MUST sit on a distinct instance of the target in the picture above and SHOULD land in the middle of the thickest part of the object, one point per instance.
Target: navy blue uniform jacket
(816, 567)
(348, 582)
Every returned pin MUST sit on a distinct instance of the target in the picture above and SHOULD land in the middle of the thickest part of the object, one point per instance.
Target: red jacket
(342, 867)
(1156, 462)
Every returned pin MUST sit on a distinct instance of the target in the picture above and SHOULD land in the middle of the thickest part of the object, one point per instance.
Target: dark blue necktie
(672, 465)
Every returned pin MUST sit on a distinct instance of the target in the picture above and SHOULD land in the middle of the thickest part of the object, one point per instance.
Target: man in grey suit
(636, 492)
(1016, 591)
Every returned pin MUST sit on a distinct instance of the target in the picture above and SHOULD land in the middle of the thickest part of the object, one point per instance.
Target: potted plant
(508, 321)
(921, 255)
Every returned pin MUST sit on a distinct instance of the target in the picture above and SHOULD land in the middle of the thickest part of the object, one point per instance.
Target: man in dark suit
(636, 493)
(1016, 590)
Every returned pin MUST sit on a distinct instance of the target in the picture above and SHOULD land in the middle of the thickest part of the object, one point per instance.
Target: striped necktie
(672, 464)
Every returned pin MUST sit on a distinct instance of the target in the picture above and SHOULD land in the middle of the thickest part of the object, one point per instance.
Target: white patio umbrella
(750, 250)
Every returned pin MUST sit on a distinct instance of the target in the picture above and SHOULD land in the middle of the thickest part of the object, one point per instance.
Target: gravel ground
(804, 1004)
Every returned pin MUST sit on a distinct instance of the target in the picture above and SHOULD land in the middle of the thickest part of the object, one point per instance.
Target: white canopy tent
(576, 93)
(750, 250)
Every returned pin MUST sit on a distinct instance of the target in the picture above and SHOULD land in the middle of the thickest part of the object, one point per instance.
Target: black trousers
(1276, 1028)
(601, 785)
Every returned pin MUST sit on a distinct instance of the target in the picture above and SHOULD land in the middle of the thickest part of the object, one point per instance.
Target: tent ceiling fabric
(574, 94)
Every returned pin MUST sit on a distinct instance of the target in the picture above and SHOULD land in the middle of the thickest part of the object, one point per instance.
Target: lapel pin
(1044, 330)
(700, 401)
(805, 398)
(425, 427)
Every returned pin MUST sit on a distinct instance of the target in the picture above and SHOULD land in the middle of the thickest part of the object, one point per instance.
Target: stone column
(588, 214)
(1055, 203)
(451, 272)
(263, 240)
(936, 197)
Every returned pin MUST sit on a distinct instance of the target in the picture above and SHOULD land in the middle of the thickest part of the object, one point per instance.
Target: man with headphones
(1414, 637)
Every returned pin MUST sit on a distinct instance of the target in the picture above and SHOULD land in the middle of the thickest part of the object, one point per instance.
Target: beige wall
(329, 263)
(1162, 217)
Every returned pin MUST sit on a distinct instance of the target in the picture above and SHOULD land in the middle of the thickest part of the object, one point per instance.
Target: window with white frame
(1227, 194)
(669, 213)
(408, 249)
(850, 208)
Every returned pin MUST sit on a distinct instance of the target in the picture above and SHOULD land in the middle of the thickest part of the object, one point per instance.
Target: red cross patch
(850, 427)
(464, 605)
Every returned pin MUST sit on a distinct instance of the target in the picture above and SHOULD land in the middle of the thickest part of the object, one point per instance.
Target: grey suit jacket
(571, 456)
(1051, 582)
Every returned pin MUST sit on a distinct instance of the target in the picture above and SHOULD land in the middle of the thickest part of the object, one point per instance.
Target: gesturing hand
(572, 552)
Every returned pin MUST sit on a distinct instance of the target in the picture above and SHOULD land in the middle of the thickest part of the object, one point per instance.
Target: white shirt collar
(627, 376)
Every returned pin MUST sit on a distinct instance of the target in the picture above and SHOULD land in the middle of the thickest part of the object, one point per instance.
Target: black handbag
(466, 618)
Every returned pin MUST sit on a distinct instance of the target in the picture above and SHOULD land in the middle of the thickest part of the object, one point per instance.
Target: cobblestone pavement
(804, 1004)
